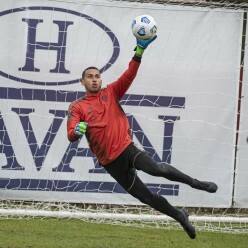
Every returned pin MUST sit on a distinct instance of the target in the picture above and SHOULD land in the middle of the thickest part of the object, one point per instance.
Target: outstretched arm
(121, 85)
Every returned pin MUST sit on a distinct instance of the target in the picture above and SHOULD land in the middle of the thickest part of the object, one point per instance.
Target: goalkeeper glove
(143, 44)
(80, 128)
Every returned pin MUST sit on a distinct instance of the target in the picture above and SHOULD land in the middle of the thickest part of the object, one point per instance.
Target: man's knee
(147, 199)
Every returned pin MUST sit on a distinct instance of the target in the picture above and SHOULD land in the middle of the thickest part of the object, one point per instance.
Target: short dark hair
(91, 67)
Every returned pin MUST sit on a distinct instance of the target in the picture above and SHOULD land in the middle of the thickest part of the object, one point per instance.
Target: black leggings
(123, 170)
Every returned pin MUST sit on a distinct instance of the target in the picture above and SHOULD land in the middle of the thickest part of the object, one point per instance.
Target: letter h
(32, 45)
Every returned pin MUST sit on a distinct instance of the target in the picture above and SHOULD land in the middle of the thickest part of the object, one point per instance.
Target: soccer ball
(144, 27)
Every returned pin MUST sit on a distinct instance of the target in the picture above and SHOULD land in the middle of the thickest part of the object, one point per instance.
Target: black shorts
(123, 169)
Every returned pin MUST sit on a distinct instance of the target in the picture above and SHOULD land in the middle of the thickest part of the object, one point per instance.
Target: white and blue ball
(144, 27)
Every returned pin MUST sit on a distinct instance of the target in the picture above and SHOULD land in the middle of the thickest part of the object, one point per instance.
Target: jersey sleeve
(72, 120)
(121, 85)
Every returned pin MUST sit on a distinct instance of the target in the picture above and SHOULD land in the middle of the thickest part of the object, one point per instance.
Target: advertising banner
(181, 106)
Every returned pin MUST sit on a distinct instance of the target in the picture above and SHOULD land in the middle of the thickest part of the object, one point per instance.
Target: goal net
(187, 107)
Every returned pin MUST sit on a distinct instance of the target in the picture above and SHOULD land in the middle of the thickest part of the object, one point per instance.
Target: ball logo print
(142, 31)
(153, 30)
(144, 27)
(145, 19)
(133, 23)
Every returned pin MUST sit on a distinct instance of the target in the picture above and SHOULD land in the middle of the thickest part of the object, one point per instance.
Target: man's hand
(143, 44)
(81, 128)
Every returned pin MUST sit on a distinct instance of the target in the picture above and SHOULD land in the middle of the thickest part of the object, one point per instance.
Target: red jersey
(108, 131)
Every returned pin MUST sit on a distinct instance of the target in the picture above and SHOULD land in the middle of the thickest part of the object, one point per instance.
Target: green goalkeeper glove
(143, 44)
(81, 128)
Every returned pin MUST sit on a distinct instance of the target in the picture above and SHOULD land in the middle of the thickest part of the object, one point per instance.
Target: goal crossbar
(114, 216)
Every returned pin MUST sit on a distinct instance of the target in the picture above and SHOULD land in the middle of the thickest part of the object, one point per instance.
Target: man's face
(92, 81)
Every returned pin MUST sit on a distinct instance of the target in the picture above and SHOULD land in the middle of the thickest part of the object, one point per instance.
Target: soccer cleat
(186, 224)
(206, 186)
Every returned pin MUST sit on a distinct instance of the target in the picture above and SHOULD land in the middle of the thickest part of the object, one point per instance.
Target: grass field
(74, 233)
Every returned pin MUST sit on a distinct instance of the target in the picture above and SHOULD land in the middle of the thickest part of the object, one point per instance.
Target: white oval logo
(51, 46)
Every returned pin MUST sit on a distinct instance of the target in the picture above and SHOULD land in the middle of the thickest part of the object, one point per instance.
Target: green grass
(74, 233)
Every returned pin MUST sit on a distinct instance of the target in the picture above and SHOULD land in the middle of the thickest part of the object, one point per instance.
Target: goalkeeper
(100, 117)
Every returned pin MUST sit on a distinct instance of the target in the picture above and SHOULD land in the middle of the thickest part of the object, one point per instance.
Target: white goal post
(186, 107)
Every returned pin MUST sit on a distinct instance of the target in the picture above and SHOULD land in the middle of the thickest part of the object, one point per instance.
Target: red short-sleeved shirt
(108, 131)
